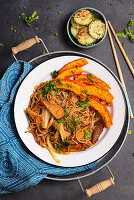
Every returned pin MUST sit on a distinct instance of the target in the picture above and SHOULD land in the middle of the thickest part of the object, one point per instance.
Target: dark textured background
(118, 14)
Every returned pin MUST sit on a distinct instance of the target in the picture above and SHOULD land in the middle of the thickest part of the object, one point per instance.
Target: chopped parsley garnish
(68, 138)
(104, 121)
(43, 52)
(76, 121)
(71, 128)
(123, 44)
(121, 35)
(96, 115)
(82, 104)
(88, 99)
(113, 173)
(90, 76)
(25, 7)
(56, 34)
(57, 5)
(22, 35)
(69, 85)
(60, 81)
(130, 7)
(58, 147)
(129, 132)
(13, 28)
(48, 87)
(66, 111)
(30, 18)
(50, 20)
(60, 12)
(54, 74)
(62, 121)
(86, 134)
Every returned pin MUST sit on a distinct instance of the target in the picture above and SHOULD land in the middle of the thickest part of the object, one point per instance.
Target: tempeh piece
(56, 110)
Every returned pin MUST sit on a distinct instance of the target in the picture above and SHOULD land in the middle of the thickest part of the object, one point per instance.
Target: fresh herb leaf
(11, 28)
(48, 88)
(62, 121)
(60, 12)
(96, 115)
(50, 20)
(130, 8)
(66, 111)
(43, 52)
(76, 121)
(113, 173)
(68, 138)
(56, 34)
(40, 91)
(126, 53)
(54, 74)
(25, 7)
(22, 35)
(123, 44)
(121, 35)
(82, 104)
(30, 18)
(130, 13)
(58, 147)
(129, 132)
(57, 5)
(90, 76)
(86, 136)
(71, 128)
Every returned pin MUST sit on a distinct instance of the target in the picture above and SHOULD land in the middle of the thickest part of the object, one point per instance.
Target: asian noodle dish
(68, 113)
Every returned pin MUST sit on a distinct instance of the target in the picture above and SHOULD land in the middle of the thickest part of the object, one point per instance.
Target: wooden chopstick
(119, 71)
(121, 48)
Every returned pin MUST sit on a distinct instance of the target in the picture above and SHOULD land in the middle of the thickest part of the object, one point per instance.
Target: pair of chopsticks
(118, 65)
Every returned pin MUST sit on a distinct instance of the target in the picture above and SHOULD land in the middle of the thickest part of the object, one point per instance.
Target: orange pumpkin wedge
(92, 80)
(74, 64)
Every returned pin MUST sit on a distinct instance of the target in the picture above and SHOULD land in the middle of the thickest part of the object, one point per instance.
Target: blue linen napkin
(19, 168)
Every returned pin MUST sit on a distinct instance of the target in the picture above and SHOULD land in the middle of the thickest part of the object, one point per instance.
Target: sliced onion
(64, 134)
(52, 150)
(51, 121)
(45, 117)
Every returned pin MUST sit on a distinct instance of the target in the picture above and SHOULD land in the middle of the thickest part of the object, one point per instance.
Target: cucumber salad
(86, 28)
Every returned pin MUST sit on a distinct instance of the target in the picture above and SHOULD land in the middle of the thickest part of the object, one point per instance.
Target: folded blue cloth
(19, 168)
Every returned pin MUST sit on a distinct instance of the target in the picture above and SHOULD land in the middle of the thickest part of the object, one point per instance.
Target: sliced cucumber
(83, 17)
(75, 25)
(97, 29)
(74, 31)
(84, 38)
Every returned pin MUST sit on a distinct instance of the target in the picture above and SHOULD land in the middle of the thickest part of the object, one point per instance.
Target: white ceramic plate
(107, 138)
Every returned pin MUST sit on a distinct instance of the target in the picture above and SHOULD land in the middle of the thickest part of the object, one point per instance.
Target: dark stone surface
(118, 14)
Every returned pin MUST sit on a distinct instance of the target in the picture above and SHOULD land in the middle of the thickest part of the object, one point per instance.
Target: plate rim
(89, 57)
